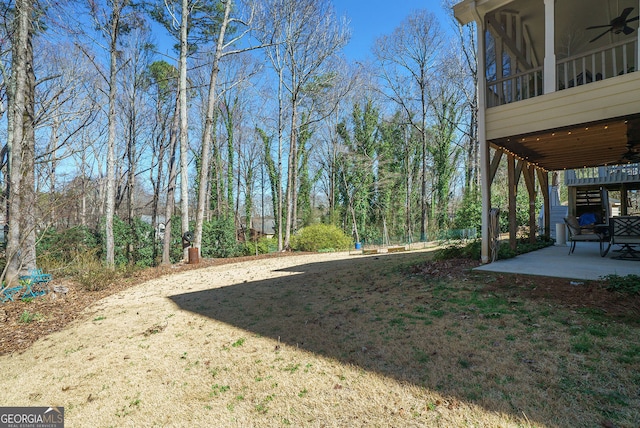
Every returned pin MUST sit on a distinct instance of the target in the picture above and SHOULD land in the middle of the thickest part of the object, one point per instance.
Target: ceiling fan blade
(596, 38)
(598, 26)
(632, 19)
(627, 30)
(625, 13)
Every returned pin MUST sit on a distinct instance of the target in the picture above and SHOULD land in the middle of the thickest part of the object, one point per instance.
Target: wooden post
(513, 191)
(543, 179)
(549, 79)
(572, 195)
(485, 183)
(529, 179)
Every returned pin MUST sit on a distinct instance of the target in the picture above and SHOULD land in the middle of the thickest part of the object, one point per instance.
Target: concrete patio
(584, 264)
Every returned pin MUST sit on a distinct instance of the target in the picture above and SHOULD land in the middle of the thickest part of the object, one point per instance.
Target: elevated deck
(603, 175)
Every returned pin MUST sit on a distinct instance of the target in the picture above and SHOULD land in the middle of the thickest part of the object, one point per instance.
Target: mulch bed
(560, 291)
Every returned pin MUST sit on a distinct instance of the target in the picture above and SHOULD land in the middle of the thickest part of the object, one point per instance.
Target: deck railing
(603, 175)
(611, 61)
(614, 60)
(517, 87)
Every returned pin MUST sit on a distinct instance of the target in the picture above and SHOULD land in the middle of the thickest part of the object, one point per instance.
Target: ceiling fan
(631, 155)
(617, 25)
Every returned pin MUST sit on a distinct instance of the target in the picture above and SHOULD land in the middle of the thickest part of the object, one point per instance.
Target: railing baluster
(520, 88)
(574, 71)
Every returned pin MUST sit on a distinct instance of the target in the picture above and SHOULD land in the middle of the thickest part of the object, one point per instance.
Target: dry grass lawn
(333, 340)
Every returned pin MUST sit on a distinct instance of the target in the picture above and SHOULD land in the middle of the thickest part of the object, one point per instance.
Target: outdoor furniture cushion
(573, 225)
(576, 233)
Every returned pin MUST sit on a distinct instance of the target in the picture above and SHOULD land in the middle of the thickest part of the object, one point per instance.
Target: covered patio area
(584, 264)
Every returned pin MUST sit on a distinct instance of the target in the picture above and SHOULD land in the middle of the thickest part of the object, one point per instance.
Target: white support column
(638, 45)
(549, 47)
(485, 176)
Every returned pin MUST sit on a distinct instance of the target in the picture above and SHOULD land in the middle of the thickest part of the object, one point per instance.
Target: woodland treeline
(119, 115)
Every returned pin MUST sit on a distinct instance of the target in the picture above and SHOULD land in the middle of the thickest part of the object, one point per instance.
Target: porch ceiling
(586, 145)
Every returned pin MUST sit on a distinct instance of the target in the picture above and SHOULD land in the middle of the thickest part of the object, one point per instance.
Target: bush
(219, 239)
(60, 247)
(629, 284)
(473, 249)
(320, 237)
(87, 269)
(264, 245)
(469, 214)
(132, 246)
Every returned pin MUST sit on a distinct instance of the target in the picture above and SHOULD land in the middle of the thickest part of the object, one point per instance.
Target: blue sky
(373, 18)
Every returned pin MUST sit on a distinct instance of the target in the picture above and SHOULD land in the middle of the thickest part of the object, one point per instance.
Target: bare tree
(20, 251)
(467, 80)
(112, 21)
(225, 46)
(407, 59)
(308, 33)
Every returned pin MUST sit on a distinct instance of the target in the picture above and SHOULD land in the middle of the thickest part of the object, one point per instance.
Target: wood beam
(529, 179)
(519, 165)
(572, 196)
(508, 42)
(513, 190)
(543, 179)
(495, 162)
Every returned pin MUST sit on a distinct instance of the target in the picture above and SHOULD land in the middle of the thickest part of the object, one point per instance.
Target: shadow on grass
(504, 354)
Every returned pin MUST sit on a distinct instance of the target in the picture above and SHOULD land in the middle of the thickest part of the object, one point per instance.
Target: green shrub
(27, 317)
(264, 245)
(132, 245)
(89, 271)
(219, 239)
(320, 237)
(469, 214)
(59, 246)
(629, 284)
(472, 250)
(175, 248)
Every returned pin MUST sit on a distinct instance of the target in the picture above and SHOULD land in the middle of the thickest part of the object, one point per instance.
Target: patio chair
(625, 231)
(8, 293)
(591, 234)
(35, 283)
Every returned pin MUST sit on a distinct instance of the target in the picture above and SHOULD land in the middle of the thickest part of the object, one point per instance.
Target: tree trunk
(208, 126)
(184, 136)
(158, 185)
(171, 182)
(291, 176)
(17, 111)
(28, 200)
(278, 214)
(111, 142)
(131, 176)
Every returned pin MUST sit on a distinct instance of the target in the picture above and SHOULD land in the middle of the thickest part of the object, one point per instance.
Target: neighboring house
(160, 224)
(555, 93)
(260, 226)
